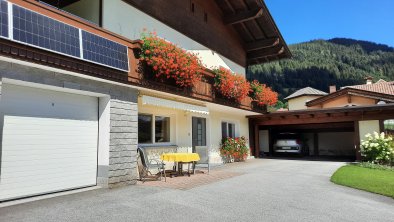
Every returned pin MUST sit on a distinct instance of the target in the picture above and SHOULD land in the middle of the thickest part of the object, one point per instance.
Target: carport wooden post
(254, 138)
(357, 140)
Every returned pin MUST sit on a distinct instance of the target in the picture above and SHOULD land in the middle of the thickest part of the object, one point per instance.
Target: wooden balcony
(137, 74)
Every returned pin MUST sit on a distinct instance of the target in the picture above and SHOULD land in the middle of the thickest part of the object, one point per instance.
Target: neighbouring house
(381, 92)
(330, 124)
(76, 100)
(299, 98)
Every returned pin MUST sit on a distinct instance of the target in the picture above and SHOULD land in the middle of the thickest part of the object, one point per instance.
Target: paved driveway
(266, 190)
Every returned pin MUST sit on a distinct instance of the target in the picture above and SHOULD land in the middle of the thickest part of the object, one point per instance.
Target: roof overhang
(252, 20)
(294, 97)
(249, 22)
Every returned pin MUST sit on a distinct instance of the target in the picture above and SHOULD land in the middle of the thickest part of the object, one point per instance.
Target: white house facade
(74, 107)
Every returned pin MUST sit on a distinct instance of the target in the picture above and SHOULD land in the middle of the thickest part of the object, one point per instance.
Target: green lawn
(372, 180)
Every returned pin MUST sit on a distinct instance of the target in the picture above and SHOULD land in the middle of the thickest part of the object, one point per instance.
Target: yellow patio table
(181, 158)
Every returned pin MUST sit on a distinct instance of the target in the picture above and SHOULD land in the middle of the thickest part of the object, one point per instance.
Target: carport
(333, 132)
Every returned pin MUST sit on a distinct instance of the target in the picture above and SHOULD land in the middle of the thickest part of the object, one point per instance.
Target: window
(144, 128)
(160, 124)
(162, 129)
(205, 17)
(228, 130)
(389, 126)
(192, 7)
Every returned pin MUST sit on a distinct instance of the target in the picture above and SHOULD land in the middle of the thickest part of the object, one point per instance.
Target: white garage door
(49, 141)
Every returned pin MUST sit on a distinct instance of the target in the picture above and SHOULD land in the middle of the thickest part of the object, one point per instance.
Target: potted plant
(234, 149)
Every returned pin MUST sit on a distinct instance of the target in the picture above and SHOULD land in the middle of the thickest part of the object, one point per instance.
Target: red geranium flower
(263, 94)
(231, 85)
(170, 61)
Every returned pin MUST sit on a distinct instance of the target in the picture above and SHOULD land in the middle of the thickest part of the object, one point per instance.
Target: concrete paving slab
(263, 190)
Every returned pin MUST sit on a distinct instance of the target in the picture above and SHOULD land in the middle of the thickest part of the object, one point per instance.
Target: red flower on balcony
(170, 61)
(263, 94)
(231, 85)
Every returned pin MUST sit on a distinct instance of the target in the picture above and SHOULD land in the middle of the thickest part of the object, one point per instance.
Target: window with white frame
(228, 130)
(153, 129)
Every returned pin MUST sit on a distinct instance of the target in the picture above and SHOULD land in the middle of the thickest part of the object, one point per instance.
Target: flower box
(169, 62)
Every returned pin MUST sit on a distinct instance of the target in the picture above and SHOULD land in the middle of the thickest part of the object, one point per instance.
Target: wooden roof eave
(259, 50)
(286, 53)
(326, 110)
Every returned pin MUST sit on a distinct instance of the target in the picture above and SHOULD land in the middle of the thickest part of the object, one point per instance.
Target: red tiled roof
(379, 87)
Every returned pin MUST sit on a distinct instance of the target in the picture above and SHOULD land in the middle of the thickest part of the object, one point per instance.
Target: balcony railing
(136, 74)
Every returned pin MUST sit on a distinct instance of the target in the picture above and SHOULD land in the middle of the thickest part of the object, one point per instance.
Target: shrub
(378, 148)
(263, 94)
(231, 85)
(169, 61)
(234, 147)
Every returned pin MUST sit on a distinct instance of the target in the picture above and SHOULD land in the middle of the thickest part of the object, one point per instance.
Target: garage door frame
(102, 104)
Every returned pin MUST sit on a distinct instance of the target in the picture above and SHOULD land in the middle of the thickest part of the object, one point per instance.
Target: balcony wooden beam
(242, 16)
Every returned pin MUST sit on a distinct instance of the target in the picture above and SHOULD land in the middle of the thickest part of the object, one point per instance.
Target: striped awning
(150, 100)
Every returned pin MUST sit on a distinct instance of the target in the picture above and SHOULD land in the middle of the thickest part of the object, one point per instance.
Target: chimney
(369, 80)
(333, 89)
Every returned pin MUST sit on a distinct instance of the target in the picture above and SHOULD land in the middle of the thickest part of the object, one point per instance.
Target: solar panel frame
(41, 31)
(4, 18)
(91, 41)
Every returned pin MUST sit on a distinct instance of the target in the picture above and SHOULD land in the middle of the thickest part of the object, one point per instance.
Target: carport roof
(327, 115)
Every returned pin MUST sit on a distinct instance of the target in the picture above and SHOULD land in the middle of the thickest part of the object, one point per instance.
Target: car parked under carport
(334, 140)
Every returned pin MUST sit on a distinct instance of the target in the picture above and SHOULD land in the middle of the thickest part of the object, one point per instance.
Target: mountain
(321, 63)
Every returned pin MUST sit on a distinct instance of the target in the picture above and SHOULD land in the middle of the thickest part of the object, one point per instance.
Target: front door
(199, 130)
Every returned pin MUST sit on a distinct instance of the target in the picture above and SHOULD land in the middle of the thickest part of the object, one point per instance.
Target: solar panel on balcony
(35, 29)
(103, 51)
(4, 18)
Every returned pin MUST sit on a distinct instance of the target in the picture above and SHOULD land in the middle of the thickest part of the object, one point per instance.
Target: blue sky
(304, 20)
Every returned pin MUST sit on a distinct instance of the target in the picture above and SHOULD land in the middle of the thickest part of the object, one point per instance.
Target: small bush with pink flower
(234, 149)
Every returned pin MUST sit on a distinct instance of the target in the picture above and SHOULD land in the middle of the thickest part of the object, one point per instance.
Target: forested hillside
(321, 63)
